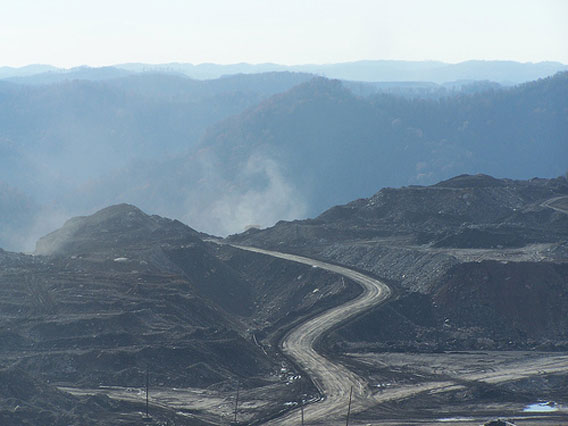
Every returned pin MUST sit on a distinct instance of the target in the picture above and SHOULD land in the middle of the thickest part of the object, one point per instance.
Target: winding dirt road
(333, 380)
(550, 204)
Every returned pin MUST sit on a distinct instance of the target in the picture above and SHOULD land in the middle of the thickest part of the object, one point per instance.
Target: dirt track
(333, 380)
(557, 203)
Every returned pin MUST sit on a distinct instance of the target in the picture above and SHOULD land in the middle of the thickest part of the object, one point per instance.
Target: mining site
(283, 213)
(427, 305)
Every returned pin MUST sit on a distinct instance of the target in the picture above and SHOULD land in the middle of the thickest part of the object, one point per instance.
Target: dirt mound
(479, 262)
(520, 300)
(474, 306)
(112, 227)
(463, 212)
(469, 181)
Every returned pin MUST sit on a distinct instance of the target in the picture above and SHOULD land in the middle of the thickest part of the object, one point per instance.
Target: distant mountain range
(318, 145)
(71, 131)
(57, 138)
(9, 72)
(504, 72)
(252, 149)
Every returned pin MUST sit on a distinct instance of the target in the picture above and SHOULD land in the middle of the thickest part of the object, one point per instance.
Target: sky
(68, 33)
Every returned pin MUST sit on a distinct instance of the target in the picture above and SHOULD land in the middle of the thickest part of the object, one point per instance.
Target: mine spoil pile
(110, 297)
(114, 299)
(478, 262)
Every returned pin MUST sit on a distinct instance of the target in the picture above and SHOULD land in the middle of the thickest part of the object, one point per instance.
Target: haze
(67, 33)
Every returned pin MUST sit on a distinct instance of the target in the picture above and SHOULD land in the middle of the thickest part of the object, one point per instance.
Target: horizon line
(118, 64)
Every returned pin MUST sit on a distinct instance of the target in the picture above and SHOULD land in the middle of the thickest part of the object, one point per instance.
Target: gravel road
(333, 380)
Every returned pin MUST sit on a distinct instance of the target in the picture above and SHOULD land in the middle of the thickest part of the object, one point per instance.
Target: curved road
(549, 204)
(333, 380)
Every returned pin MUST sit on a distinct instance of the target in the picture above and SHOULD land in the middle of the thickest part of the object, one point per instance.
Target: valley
(279, 213)
(250, 149)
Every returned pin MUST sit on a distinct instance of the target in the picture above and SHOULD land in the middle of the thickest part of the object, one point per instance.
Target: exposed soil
(475, 264)
(92, 319)
(461, 384)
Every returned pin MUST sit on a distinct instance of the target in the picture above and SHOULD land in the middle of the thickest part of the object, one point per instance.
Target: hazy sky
(103, 32)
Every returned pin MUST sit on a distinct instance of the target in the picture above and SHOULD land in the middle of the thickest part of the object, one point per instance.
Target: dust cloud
(258, 194)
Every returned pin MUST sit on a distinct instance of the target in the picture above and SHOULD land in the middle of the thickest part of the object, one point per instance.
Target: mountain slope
(83, 129)
(474, 259)
(509, 72)
(120, 291)
(59, 140)
(331, 146)
(111, 228)
(318, 145)
(149, 140)
(111, 294)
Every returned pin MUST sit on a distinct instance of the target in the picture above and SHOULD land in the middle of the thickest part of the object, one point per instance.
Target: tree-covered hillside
(254, 149)
(333, 146)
